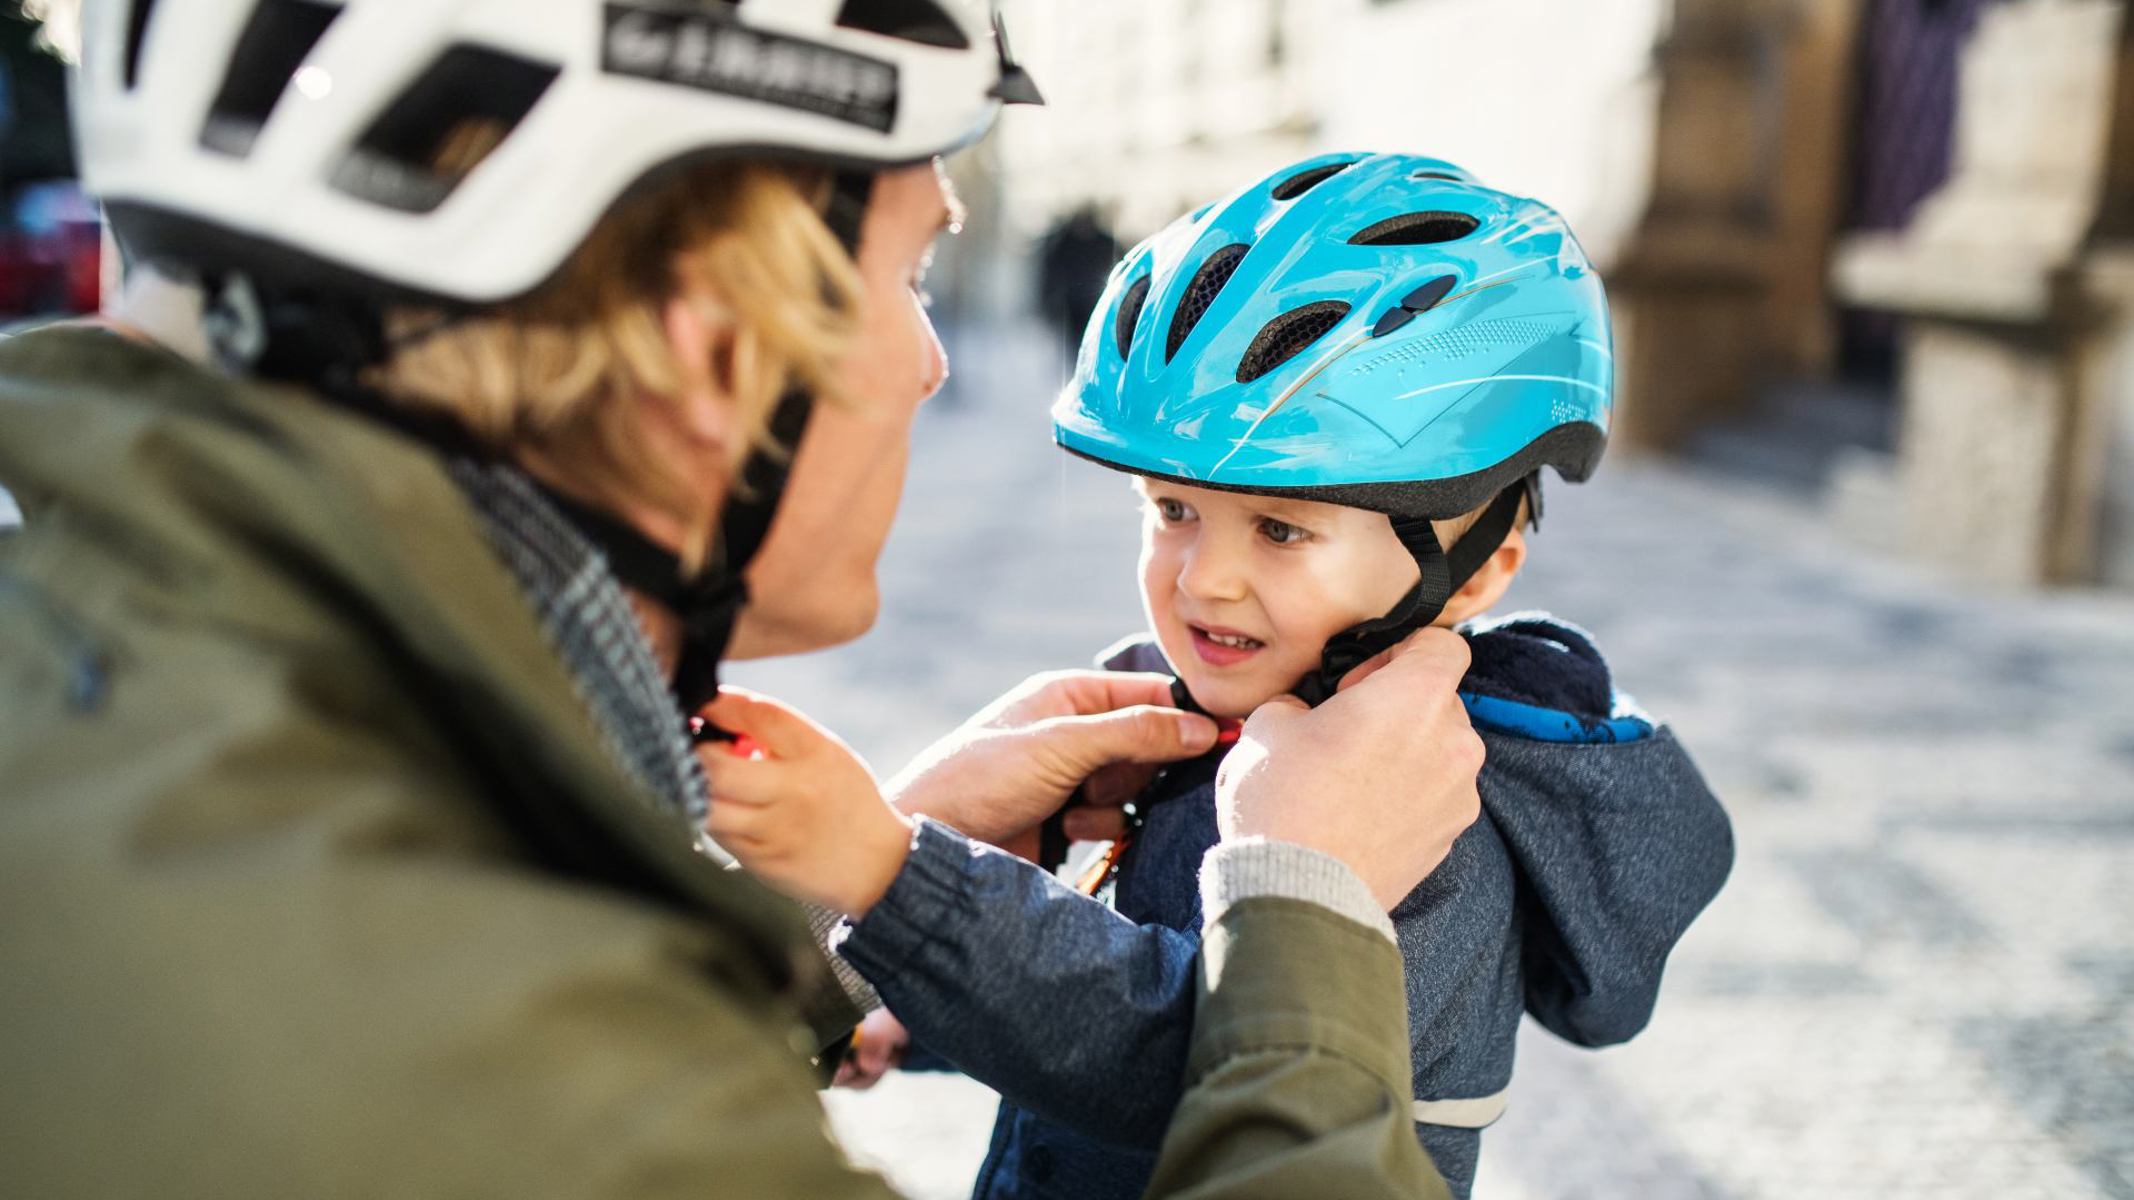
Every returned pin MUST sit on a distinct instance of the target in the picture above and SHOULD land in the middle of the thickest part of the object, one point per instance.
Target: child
(1337, 388)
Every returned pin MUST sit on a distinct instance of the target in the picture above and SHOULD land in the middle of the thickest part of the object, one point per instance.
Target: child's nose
(1211, 573)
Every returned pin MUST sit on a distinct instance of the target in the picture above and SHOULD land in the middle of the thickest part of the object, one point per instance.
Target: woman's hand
(1381, 776)
(1014, 764)
(802, 813)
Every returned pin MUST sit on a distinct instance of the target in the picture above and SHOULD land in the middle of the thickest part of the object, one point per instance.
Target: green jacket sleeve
(1298, 1083)
(305, 966)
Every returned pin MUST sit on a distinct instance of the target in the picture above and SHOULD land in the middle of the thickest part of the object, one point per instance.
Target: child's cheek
(1305, 618)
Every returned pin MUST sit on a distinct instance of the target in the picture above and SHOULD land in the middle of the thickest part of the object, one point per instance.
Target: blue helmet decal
(1374, 322)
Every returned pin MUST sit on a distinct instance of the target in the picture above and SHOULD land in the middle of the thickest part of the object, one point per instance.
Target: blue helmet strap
(1443, 573)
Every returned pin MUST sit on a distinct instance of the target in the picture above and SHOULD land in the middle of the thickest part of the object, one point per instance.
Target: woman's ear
(1487, 586)
(701, 338)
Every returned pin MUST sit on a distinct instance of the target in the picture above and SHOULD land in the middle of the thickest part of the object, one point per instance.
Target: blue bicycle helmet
(1379, 331)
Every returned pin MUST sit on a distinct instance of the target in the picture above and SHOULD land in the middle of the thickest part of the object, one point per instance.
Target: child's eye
(1170, 511)
(1282, 533)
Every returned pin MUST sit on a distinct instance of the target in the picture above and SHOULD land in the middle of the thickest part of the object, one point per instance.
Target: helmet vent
(275, 42)
(1207, 284)
(1418, 229)
(921, 21)
(1286, 336)
(1304, 181)
(136, 38)
(444, 126)
(1129, 313)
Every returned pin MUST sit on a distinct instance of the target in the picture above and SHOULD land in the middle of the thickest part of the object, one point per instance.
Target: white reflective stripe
(1478, 1113)
(10, 515)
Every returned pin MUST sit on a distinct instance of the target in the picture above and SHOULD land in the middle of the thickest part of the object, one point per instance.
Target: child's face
(1243, 591)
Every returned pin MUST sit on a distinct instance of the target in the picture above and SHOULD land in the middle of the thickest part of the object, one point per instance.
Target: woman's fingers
(1094, 824)
(1437, 645)
(1074, 693)
(1139, 734)
(1086, 693)
(1116, 784)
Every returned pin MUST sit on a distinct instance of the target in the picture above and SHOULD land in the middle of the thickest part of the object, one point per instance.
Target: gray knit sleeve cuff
(829, 929)
(1255, 867)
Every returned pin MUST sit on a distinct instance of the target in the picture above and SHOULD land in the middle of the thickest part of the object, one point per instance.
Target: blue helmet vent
(1304, 181)
(1201, 293)
(1122, 330)
(1286, 336)
(1421, 367)
(1418, 229)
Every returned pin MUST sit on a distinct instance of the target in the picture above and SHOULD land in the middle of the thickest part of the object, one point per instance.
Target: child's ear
(1482, 590)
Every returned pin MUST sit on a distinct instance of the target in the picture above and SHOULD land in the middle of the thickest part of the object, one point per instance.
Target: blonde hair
(566, 376)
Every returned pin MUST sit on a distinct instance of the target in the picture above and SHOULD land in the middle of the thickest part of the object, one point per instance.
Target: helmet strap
(1444, 572)
(1353, 647)
(290, 334)
(1486, 536)
(708, 604)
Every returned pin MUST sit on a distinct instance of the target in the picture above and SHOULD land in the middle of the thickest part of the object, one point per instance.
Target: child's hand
(803, 813)
(878, 1047)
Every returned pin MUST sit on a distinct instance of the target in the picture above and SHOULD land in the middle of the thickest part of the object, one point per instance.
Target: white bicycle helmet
(288, 149)
(295, 138)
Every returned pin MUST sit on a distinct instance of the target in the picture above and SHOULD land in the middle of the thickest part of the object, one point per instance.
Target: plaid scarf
(592, 627)
(589, 621)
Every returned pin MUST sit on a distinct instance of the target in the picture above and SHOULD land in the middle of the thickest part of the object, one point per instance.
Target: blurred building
(1878, 251)
(1896, 238)
(1163, 105)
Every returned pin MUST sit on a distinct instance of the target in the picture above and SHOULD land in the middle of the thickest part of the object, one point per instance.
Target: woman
(338, 732)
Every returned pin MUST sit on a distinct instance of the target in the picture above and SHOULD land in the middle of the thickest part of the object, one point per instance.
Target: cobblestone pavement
(1920, 981)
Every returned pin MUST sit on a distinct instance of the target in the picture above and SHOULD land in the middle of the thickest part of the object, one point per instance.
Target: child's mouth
(1222, 648)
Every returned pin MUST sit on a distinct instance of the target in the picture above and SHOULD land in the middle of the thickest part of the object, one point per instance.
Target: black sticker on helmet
(710, 51)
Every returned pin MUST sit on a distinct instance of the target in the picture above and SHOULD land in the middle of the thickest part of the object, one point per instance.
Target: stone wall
(2006, 381)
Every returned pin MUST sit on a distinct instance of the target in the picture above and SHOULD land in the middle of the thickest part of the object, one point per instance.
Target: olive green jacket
(318, 881)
